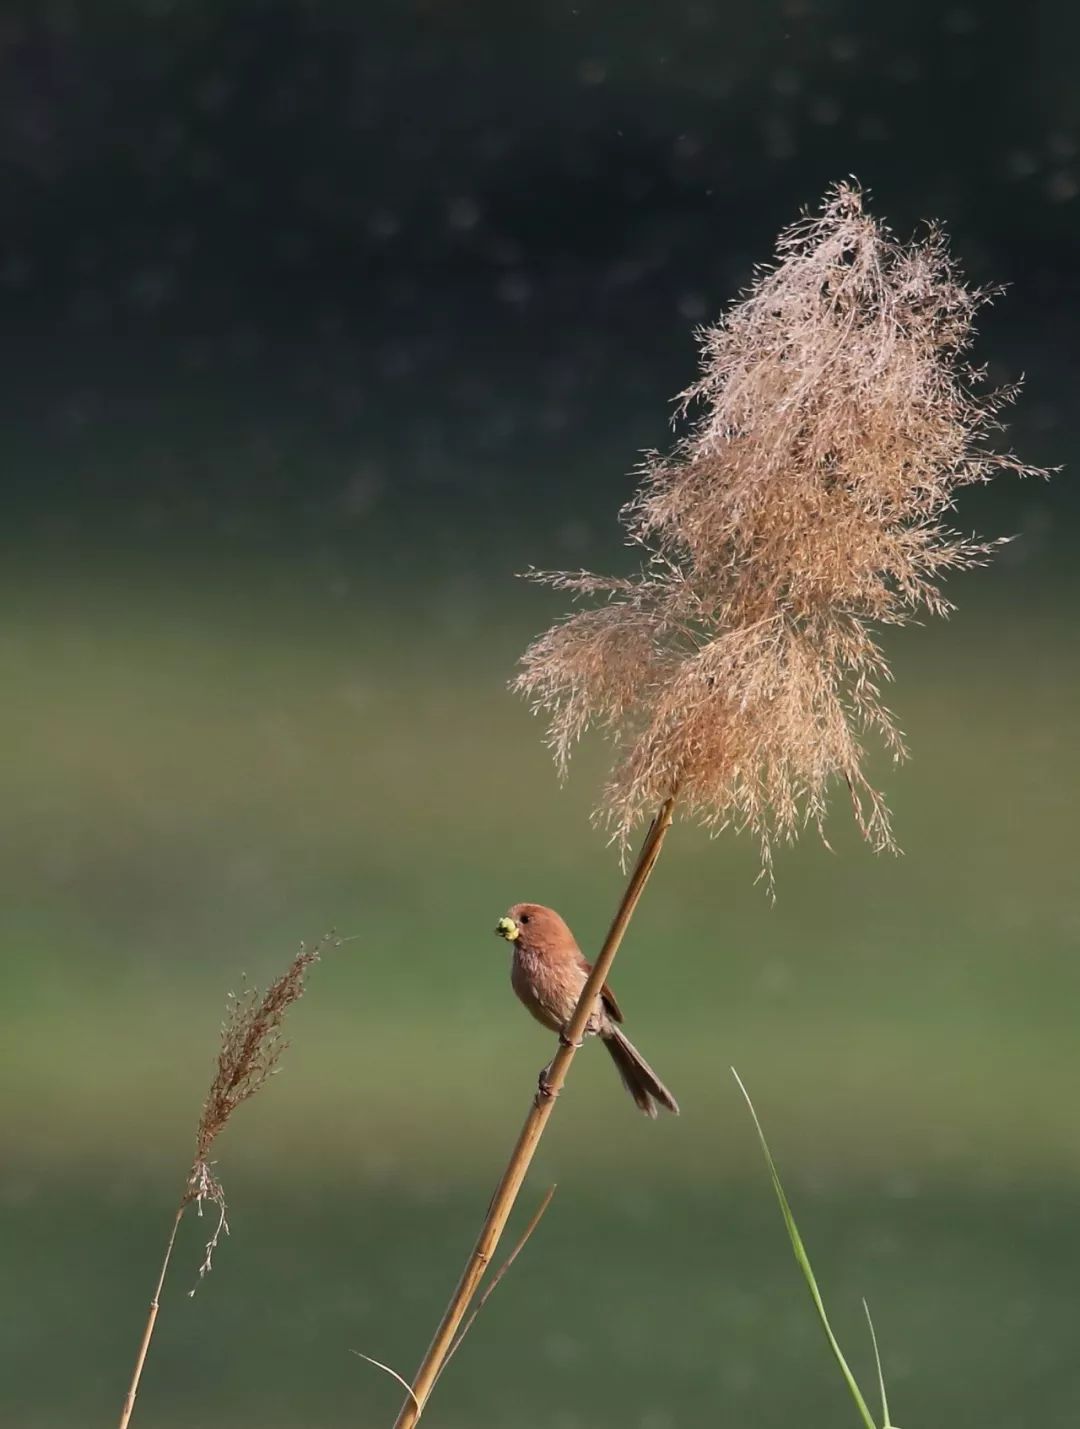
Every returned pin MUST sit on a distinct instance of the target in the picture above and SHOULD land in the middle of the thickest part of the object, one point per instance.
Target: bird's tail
(638, 1077)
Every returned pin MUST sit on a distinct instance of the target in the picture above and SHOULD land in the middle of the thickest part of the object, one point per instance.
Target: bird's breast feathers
(548, 988)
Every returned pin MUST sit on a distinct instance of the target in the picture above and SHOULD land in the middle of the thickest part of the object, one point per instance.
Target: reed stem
(506, 1193)
(151, 1321)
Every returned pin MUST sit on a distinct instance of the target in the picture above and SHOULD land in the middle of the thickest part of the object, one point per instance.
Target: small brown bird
(548, 973)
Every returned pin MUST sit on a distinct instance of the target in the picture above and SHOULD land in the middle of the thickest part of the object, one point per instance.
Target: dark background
(478, 235)
(318, 322)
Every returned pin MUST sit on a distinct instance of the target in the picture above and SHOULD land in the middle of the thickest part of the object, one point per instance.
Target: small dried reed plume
(807, 505)
(251, 1047)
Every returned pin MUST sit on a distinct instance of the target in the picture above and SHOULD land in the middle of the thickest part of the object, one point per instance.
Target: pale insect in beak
(508, 929)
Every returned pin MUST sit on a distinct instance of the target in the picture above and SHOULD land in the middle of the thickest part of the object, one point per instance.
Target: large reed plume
(807, 506)
(251, 1047)
(738, 672)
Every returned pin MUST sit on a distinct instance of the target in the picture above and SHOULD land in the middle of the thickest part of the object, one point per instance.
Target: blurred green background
(318, 327)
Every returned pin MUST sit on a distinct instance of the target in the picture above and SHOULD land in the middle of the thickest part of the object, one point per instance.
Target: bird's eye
(524, 918)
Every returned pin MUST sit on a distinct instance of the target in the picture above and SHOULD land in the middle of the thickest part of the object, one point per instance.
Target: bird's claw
(545, 1092)
(565, 1041)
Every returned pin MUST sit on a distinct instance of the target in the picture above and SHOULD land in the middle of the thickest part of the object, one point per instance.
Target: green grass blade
(886, 1421)
(805, 1266)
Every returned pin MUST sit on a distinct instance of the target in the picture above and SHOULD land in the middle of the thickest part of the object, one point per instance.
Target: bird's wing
(607, 997)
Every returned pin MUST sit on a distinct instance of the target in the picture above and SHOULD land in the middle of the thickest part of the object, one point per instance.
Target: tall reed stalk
(805, 508)
(506, 1193)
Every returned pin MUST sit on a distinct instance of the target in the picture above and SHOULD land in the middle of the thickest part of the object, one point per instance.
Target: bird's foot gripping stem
(545, 1092)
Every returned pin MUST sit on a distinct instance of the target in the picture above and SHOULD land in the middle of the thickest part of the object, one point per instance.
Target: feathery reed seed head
(806, 506)
(251, 1047)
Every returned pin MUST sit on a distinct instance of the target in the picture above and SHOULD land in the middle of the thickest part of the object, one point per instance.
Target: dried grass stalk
(251, 1047)
(808, 505)
(448, 1334)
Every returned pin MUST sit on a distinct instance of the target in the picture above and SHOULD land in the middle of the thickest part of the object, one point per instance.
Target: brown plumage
(548, 973)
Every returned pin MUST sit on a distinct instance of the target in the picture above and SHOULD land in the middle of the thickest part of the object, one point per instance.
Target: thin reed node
(251, 1047)
(807, 505)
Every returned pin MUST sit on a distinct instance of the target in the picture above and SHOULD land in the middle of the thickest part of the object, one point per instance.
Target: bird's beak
(508, 929)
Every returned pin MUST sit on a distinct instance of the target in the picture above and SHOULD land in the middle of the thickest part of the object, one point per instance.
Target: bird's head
(531, 925)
